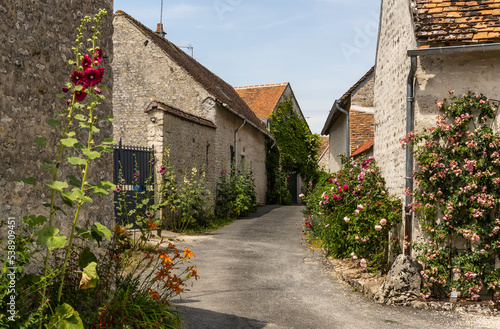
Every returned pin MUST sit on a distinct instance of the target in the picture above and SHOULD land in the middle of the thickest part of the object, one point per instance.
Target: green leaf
(109, 141)
(60, 95)
(33, 220)
(76, 161)
(30, 180)
(99, 190)
(80, 117)
(78, 87)
(71, 62)
(91, 154)
(84, 124)
(108, 117)
(101, 231)
(47, 236)
(70, 134)
(51, 169)
(69, 142)
(41, 141)
(57, 185)
(106, 148)
(95, 129)
(86, 257)
(67, 201)
(89, 276)
(107, 185)
(65, 317)
(53, 122)
(74, 181)
(80, 195)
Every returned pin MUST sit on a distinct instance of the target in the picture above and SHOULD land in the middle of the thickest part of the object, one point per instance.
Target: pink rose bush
(357, 214)
(457, 197)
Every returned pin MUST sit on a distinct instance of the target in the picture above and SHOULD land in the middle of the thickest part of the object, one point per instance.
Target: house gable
(220, 90)
(262, 99)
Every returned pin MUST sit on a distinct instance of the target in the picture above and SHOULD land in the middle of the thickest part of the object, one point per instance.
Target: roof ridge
(264, 85)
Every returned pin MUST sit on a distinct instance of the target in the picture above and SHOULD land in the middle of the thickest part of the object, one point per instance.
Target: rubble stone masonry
(35, 45)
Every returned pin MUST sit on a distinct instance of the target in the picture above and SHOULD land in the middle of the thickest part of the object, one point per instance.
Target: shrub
(456, 197)
(236, 194)
(352, 214)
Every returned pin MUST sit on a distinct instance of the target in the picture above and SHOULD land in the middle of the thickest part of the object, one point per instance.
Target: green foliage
(298, 148)
(236, 194)
(456, 197)
(351, 213)
(181, 201)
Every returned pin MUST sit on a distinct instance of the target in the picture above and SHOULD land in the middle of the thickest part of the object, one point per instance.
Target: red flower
(77, 77)
(92, 76)
(86, 62)
(80, 95)
(98, 55)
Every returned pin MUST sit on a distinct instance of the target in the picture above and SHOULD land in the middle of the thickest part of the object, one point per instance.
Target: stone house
(164, 97)
(350, 121)
(426, 48)
(36, 38)
(265, 99)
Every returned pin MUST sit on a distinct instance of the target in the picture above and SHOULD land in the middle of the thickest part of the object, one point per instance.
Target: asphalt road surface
(255, 273)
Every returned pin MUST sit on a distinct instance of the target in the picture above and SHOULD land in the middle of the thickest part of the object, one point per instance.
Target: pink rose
(378, 227)
(383, 221)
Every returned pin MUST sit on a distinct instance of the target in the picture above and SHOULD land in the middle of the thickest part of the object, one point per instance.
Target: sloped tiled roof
(262, 99)
(325, 142)
(179, 113)
(220, 89)
(452, 22)
(363, 147)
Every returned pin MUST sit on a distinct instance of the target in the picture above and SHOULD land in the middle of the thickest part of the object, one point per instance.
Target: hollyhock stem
(82, 188)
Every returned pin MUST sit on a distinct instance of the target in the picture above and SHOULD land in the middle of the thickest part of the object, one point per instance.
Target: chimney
(159, 30)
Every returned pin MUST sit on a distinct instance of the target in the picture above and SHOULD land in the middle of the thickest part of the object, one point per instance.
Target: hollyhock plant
(92, 77)
(77, 77)
(86, 62)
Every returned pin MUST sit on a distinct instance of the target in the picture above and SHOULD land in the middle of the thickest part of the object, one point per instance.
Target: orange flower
(151, 225)
(154, 294)
(166, 258)
(188, 253)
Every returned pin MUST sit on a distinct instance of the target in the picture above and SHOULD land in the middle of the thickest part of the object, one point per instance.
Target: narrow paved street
(256, 274)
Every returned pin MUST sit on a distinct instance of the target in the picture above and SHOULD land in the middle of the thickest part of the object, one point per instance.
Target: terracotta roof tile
(363, 147)
(220, 89)
(450, 22)
(262, 99)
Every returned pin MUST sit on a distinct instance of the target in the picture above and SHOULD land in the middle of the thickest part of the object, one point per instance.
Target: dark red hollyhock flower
(92, 77)
(98, 55)
(77, 77)
(65, 89)
(80, 95)
(97, 90)
(86, 62)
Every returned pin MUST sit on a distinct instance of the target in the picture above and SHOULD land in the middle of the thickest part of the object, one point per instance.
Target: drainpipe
(236, 145)
(348, 135)
(409, 156)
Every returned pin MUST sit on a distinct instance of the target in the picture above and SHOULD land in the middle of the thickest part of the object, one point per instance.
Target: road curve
(255, 273)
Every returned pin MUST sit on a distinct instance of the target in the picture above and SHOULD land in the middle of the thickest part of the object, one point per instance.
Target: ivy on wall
(295, 146)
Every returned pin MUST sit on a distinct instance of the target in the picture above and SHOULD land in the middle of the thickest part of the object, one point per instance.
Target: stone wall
(363, 94)
(392, 67)
(250, 148)
(35, 44)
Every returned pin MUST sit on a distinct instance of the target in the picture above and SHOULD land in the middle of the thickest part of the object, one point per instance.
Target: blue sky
(322, 47)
